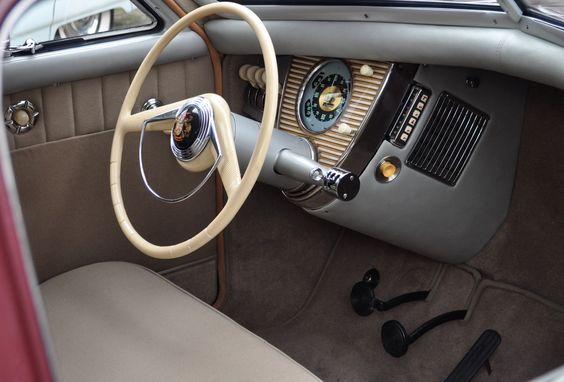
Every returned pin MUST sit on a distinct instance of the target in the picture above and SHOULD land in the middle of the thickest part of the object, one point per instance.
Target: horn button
(192, 129)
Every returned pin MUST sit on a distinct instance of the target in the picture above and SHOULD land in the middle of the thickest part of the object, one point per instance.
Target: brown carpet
(276, 253)
(529, 248)
(337, 345)
(332, 341)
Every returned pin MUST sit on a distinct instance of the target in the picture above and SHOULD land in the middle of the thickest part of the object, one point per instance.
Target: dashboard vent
(448, 140)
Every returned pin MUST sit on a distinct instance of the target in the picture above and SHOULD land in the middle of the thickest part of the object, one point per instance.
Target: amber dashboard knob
(388, 169)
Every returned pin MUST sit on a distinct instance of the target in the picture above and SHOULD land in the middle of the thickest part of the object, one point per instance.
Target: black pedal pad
(478, 356)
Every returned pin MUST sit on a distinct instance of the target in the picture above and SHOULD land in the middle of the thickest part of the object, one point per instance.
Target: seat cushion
(121, 322)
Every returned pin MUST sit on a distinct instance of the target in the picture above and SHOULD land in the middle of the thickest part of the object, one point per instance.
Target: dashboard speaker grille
(448, 140)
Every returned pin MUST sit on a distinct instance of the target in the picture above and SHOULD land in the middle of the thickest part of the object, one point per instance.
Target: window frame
(71, 42)
(535, 14)
(373, 3)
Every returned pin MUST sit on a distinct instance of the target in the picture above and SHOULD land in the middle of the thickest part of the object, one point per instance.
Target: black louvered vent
(448, 140)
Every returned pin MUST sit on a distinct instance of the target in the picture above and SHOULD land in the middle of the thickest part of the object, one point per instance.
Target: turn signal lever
(341, 183)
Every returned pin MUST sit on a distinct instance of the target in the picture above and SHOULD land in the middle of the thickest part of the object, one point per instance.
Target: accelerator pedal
(478, 356)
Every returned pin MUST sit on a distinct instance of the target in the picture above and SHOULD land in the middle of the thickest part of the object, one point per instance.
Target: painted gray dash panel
(421, 214)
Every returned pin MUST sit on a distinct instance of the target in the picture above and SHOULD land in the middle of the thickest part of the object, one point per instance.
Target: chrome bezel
(387, 179)
(29, 109)
(307, 78)
(206, 126)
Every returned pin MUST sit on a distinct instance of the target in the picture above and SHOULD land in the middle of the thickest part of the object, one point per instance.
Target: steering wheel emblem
(193, 128)
(182, 126)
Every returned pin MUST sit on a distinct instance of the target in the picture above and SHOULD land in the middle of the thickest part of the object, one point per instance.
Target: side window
(49, 20)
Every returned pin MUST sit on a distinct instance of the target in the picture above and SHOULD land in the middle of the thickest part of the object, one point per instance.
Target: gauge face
(324, 96)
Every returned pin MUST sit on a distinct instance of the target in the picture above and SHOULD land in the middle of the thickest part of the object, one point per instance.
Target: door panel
(92, 105)
(62, 171)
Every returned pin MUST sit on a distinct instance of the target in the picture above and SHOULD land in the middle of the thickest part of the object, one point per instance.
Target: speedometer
(324, 96)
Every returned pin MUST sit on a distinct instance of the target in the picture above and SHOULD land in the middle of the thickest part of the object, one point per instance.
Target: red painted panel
(22, 352)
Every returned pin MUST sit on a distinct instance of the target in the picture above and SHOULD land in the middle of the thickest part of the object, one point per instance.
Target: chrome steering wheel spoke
(191, 133)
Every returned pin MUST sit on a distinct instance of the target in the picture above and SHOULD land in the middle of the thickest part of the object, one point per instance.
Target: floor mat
(336, 344)
(532, 334)
(329, 339)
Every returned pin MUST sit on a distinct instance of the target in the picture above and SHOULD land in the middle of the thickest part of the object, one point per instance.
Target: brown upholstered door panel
(62, 171)
(92, 105)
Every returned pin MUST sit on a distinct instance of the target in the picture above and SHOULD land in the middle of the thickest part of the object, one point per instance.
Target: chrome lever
(339, 182)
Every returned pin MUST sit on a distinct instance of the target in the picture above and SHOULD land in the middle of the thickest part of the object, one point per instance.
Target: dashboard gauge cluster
(324, 96)
(328, 102)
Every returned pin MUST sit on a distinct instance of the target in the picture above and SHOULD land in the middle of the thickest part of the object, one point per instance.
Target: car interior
(285, 190)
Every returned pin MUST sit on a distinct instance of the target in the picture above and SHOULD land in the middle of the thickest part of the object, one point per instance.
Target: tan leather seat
(121, 322)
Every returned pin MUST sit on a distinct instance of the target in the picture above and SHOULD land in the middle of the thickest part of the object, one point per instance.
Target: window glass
(48, 20)
(551, 8)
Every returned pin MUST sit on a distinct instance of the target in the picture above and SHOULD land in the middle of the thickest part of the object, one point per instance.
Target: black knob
(364, 302)
(362, 294)
(372, 277)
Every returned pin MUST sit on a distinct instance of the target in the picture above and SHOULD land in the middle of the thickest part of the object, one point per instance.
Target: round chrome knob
(20, 117)
(151, 103)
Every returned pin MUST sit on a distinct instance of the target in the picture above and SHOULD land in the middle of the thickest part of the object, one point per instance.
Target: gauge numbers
(324, 96)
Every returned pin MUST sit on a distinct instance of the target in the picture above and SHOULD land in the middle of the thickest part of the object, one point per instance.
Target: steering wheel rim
(238, 188)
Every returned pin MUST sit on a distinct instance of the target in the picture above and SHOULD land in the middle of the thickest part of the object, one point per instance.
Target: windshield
(406, 3)
(551, 8)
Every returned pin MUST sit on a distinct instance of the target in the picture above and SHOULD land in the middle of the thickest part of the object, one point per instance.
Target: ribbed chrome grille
(448, 140)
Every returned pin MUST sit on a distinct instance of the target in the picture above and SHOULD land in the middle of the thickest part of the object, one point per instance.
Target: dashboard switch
(344, 128)
(243, 72)
(260, 78)
(366, 70)
(387, 169)
(408, 115)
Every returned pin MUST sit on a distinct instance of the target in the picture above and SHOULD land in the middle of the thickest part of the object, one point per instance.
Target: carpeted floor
(337, 345)
(528, 250)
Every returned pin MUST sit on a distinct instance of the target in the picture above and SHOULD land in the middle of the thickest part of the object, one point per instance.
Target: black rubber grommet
(394, 338)
(362, 298)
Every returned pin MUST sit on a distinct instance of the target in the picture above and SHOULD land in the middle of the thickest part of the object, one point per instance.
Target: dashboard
(434, 148)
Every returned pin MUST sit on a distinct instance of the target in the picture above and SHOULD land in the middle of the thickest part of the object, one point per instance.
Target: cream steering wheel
(219, 148)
